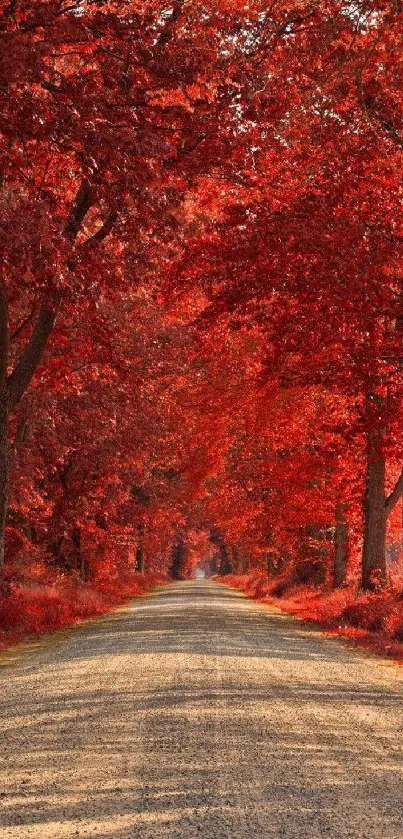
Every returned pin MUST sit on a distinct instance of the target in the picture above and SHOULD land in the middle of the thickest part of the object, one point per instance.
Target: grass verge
(373, 621)
(27, 610)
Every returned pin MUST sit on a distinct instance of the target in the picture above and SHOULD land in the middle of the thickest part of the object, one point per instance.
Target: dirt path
(197, 713)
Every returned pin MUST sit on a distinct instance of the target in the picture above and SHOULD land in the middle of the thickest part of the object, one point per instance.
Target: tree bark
(139, 559)
(21, 376)
(274, 563)
(340, 547)
(3, 476)
(235, 559)
(394, 496)
(176, 569)
(223, 563)
(374, 547)
(140, 549)
(3, 420)
(12, 387)
(81, 561)
(245, 564)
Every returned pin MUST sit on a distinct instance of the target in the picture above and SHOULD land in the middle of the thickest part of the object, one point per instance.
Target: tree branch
(396, 493)
(373, 116)
(10, 9)
(167, 33)
(19, 379)
(102, 232)
(22, 325)
(79, 210)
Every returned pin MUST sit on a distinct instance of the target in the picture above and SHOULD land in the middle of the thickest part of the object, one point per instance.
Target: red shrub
(374, 620)
(370, 613)
(26, 609)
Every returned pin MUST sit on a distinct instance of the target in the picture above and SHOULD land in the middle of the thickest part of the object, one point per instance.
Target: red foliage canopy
(200, 305)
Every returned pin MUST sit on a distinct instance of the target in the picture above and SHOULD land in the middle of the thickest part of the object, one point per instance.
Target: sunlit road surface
(197, 713)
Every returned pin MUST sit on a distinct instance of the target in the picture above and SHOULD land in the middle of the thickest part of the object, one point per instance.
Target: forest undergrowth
(371, 620)
(55, 601)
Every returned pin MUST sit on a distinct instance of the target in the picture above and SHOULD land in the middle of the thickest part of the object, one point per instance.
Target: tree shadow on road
(219, 749)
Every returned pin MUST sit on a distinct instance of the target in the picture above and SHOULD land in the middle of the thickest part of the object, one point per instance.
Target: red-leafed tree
(310, 252)
(108, 113)
(202, 207)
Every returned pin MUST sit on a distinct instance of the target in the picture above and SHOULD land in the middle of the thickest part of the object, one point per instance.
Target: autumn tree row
(309, 256)
(201, 266)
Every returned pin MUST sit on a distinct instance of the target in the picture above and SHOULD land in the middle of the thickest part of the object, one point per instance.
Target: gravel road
(194, 712)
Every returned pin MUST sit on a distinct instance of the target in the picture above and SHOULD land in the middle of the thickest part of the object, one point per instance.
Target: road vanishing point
(194, 712)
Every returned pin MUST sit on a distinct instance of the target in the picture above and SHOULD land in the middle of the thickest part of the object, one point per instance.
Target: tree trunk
(13, 387)
(81, 562)
(139, 549)
(235, 559)
(223, 563)
(245, 564)
(340, 547)
(374, 547)
(3, 420)
(273, 563)
(176, 569)
(269, 565)
(3, 476)
(139, 559)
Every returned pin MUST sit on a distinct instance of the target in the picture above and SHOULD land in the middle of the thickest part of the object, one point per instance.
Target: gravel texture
(194, 712)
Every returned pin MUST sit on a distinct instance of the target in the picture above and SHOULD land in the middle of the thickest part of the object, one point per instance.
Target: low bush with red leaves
(373, 620)
(32, 608)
